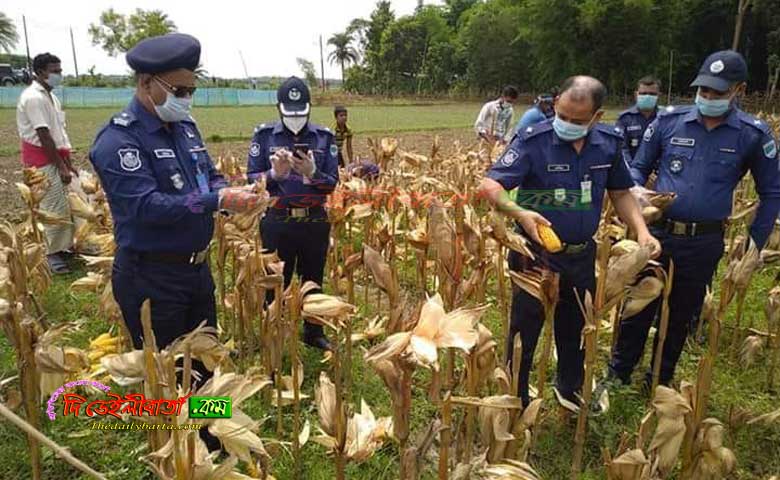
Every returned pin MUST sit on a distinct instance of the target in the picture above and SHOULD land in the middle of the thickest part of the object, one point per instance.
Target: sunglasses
(177, 91)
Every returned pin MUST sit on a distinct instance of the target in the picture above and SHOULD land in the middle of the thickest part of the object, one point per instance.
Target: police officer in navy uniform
(700, 152)
(163, 190)
(299, 161)
(577, 160)
(634, 121)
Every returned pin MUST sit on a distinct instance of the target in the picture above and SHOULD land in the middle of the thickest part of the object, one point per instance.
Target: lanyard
(200, 176)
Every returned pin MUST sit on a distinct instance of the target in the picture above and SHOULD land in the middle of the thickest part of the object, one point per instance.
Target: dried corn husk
(325, 398)
(746, 267)
(125, 369)
(651, 214)
(671, 408)
(507, 238)
(712, 461)
(438, 329)
(79, 208)
(751, 348)
(366, 433)
(641, 295)
(623, 247)
(375, 328)
(623, 269)
(237, 435)
(380, 271)
(767, 418)
(510, 470)
(631, 465)
(326, 308)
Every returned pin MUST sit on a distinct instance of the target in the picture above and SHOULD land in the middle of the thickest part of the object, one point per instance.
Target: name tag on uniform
(586, 191)
(164, 153)
(728, 150)
(633, 128)
(557, 168)
(275, 149)
(683, 142)
(601, 166)
(197, 149)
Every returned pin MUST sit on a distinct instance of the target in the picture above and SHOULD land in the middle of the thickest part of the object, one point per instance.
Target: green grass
(237, 123)
(116, 452)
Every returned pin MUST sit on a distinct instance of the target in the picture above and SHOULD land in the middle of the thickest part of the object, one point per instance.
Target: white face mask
(295, 124)
(54, 80)
(174, 109)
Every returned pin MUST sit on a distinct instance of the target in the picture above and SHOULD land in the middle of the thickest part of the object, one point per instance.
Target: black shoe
(568, 400)
(58, 264)
(314, 336)
(319, 342)
(600, 399)
(212, 443)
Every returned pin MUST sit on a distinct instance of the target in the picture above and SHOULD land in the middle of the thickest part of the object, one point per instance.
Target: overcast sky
(271, 34)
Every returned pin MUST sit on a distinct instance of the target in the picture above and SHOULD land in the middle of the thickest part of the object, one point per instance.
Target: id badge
(586, 188)
(203, 182)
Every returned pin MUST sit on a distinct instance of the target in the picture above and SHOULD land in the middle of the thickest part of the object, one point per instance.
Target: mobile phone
(301, 148)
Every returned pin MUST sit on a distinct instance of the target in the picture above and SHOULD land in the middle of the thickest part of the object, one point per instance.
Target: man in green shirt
(343, 135)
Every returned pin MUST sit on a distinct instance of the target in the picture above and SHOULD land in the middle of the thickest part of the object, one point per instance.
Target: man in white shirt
(45, 145)
(495, 118)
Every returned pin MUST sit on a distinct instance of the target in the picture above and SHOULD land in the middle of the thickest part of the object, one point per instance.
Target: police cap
(164, 53)
(293, 97)
(721, 70)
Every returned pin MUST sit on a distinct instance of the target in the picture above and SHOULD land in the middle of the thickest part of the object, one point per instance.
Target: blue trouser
(576, 272)
(302, 243)
(695, 261)
(182, 296)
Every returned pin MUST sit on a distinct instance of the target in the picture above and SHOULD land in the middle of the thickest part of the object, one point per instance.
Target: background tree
(8, 35)
(343, 52)
(495, 52)
(117, 33)
(476, 46)
(308, 70)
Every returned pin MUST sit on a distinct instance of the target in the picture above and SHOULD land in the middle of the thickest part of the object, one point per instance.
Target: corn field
(416, 297)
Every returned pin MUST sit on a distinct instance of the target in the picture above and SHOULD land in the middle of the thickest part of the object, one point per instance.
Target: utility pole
(322, 65)
(26, 44)
(73, 47)
(246, 73)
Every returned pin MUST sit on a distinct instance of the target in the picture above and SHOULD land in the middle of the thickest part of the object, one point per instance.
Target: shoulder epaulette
(534, 130)
(123, 119)
(754, 122)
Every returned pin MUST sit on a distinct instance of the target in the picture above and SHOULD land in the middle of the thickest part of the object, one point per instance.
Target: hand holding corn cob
(530, 221)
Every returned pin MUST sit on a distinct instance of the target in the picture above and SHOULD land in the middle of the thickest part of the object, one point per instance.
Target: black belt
(296, 212)
(570, 248)
(194, 258)
(689, 229)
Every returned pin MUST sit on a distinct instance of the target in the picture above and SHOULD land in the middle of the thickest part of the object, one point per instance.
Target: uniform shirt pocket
(170, 177)
(677, 161)
(724, 166)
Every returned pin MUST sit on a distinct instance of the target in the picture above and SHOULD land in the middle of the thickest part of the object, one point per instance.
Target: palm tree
(8, 36)
(343, 52)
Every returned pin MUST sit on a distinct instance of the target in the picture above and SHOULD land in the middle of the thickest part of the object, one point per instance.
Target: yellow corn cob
(550, 240)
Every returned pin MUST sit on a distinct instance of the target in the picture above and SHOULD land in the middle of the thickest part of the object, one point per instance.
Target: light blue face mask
(174, 109)
(712, 108)
(568, 131)
(54, 80)
(646, 102)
